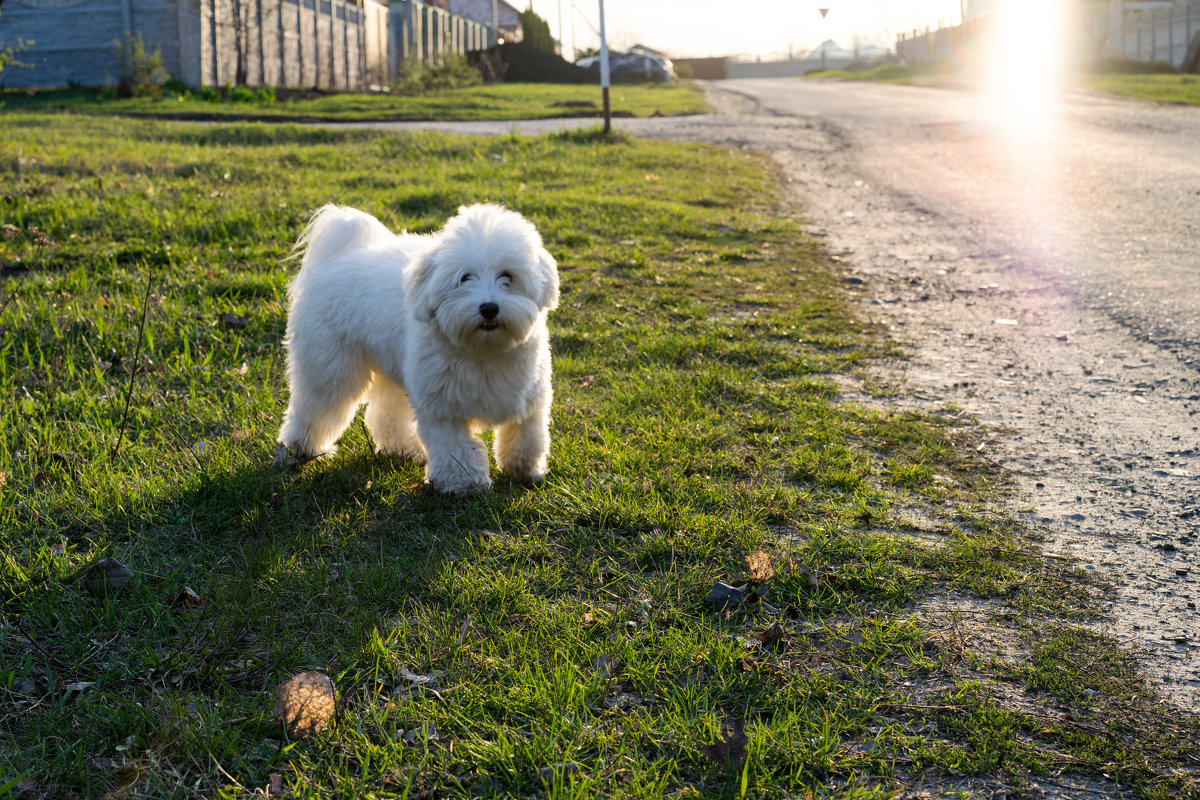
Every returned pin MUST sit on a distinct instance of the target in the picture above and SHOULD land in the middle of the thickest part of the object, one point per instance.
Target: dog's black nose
(489, 310)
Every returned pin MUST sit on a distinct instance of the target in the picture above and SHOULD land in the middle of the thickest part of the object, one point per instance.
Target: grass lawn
(1165, 88)
(549, 641)
(493, 101)
(1181, 89)
(918, 74)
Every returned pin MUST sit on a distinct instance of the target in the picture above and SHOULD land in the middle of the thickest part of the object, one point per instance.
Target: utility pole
(604, 73)
(495, 23)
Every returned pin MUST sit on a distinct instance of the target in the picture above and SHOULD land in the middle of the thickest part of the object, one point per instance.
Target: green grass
(696, 422)
(494, 101)
(917, 74)
(1164, 88)
(1182, 89)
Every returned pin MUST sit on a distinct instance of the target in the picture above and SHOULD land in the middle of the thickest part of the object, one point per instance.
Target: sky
(695, 28)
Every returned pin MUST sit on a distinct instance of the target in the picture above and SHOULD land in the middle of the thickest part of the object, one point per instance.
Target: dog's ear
(416, 285)
(548, 277)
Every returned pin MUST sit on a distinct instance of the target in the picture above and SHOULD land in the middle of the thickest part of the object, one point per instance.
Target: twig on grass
(137, 350)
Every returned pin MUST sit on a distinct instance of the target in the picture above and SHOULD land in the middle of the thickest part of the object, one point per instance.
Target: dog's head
(486, 280)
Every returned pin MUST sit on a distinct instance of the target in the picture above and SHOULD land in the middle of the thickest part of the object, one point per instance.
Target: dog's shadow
(292, 567)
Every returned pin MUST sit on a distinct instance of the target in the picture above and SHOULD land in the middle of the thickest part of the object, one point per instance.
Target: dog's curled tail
(336, 229)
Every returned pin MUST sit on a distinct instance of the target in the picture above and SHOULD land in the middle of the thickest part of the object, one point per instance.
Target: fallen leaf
(728, 751)
(188, 597)
(305, 704)
(622, 700)
(108, 575)
(759, 566)
(724, 597)
(427, 731)
(82, 686)
(564, 769)
(772, 636)
(275, 783)
(234, 321)
(420, 680)
(603, 666)
(3, 479)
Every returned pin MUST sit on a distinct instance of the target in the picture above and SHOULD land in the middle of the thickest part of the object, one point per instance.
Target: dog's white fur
(397, 322)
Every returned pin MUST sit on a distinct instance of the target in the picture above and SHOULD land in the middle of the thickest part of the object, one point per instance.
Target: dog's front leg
(522, 447)
(457, 460)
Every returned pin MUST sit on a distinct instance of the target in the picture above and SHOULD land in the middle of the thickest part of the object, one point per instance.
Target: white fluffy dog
(442, 336)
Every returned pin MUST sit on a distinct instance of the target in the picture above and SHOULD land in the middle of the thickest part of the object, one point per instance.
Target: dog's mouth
(489, 326)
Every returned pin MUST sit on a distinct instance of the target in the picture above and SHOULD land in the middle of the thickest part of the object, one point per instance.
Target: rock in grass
(724, 597)
(305, 704)
(108, 575)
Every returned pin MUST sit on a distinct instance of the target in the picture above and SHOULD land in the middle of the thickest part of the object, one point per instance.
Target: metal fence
(1157, 34)
(1154, 34)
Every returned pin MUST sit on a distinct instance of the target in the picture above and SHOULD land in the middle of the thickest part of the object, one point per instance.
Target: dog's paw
(284, 458)
(523, 470)
(460, 487)
(529, 476)
(413, 454)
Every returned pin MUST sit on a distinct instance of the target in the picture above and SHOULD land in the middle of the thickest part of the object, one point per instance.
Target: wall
(330, 44)
(785, 69)
(327, 44)
(428, 33)
(1155, 35)
(73, 39)
(705, 69)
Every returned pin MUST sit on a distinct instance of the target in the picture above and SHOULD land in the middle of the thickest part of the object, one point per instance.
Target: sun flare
(1025, 63)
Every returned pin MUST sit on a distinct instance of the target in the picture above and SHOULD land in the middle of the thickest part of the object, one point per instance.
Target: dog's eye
(466, 277)
(506, 276)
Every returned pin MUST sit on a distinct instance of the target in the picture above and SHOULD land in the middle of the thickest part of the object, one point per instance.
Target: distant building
(480, 11)
(830, 49)
(973, 9)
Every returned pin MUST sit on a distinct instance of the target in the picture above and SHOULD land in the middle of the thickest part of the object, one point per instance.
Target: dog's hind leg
(324, 397)
(390, 420)
(522, 447)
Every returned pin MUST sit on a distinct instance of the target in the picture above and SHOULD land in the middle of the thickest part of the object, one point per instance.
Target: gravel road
(1044, 273)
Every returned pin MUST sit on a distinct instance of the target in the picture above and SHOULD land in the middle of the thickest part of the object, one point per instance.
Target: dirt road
(1048, 278)
(1045, 273)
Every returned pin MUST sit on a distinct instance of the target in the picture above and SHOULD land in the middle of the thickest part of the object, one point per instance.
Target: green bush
(417, 77)
(536, 32)
(8, 55)
(140, 73)
(242, 94)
